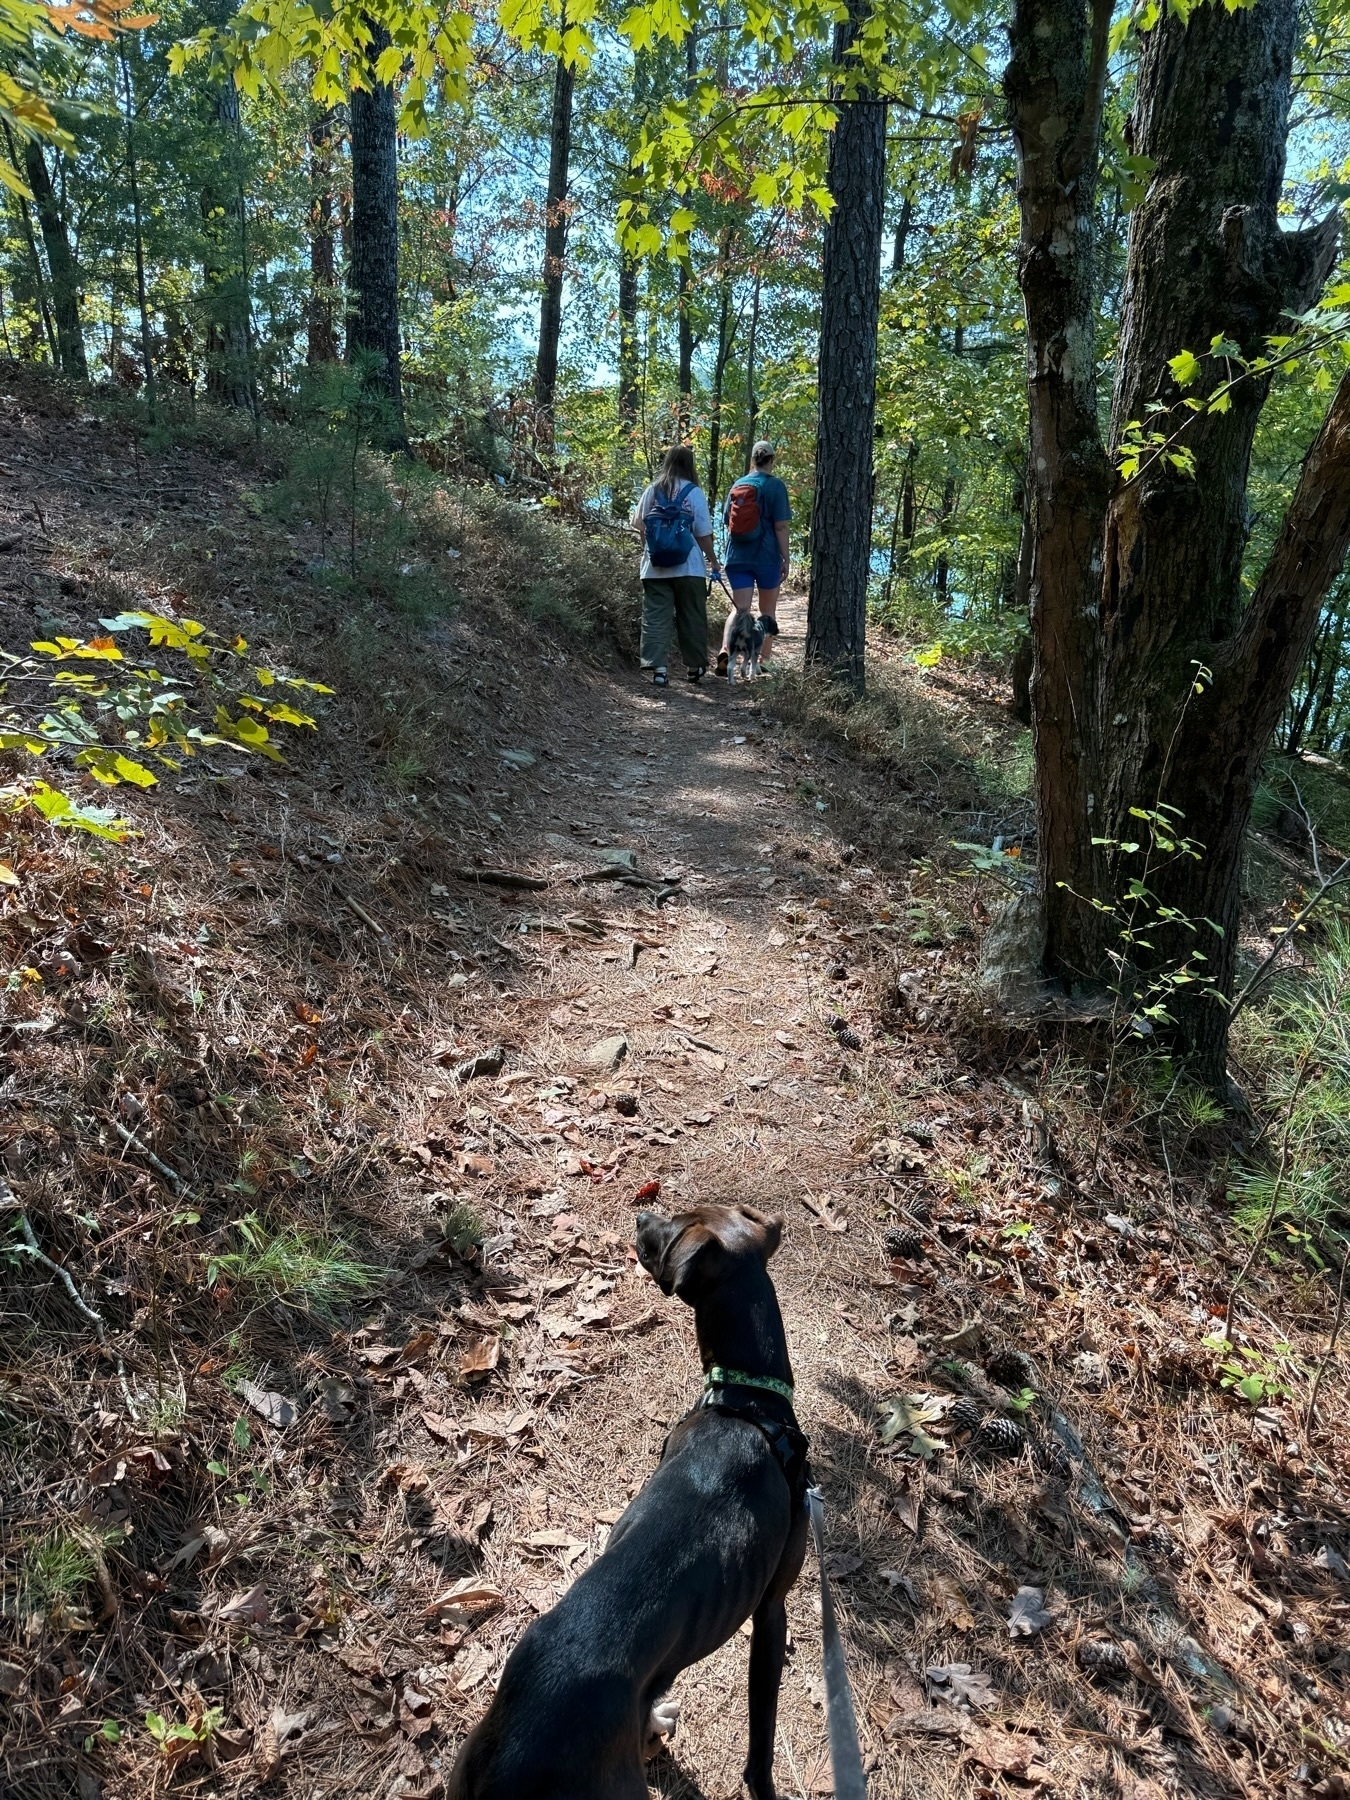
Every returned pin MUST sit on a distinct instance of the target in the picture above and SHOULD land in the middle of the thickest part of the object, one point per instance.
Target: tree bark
(1135, 586)
(30, 240)
(226, 305)
(60, 264)
(373, 322)
(322, 342)
(555, 250)
(841, 517)
(751, 397)
(133, 179)
(901, 244)
(629, 377)
(725, 333)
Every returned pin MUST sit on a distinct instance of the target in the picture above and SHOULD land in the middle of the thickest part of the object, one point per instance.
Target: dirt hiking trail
(343, 1140)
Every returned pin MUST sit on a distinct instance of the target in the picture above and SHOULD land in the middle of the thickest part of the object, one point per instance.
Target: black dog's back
(711, 1527)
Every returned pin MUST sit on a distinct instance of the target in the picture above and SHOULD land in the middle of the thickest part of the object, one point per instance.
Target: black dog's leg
(768, 1647)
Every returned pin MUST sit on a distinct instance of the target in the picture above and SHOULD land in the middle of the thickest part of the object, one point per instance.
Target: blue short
(762, 575)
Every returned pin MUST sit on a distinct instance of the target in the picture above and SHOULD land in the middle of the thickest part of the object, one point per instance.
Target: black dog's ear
(769, 1227)
(667, 1250)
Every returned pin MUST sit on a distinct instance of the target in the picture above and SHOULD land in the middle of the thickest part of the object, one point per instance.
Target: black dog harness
(736, 1393)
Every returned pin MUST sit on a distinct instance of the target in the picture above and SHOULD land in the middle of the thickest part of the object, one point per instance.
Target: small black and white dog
(744, 645)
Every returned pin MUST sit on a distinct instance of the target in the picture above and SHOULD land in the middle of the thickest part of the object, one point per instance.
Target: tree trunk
(39, 279)
(947, 506)
(628, 381)
(133, 179)
(555, 250)
(1135, 586)
(322, 343)
(751, 397)
(60, 264)
(841, 516)
(227, 346)
(901, 243)
(725, 333)
(373, 322)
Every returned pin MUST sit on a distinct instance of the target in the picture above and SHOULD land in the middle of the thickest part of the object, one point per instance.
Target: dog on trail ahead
(716, 1537)
(744, 645)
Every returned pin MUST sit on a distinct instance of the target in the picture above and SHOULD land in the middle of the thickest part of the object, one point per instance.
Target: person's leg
(691, 619)
(658, 618)
(768, 609)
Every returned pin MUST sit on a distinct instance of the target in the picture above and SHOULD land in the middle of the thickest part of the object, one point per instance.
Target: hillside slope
(373, 1369)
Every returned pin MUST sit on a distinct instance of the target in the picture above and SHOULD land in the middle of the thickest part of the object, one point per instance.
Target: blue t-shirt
(773, 510)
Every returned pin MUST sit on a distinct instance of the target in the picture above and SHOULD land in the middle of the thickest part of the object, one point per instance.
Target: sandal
(698, 673)
(660, 679)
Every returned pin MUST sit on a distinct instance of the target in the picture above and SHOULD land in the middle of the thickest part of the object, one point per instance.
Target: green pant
(681, 601)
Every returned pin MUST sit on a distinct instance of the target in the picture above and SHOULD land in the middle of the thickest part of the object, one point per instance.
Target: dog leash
(850, 1783)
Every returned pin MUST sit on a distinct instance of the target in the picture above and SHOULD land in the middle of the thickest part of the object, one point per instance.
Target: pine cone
(625, 1105)
(1001, 1437)
(964, 1415)
(904, 1243)
(1051, 1456)
(1011, 1369)
(921, 1209)
(1101, 1657)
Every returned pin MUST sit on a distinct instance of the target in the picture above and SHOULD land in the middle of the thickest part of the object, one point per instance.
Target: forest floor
(324, 1469)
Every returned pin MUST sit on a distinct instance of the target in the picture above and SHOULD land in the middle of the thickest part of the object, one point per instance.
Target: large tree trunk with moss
(841, 513)
(1153, 687)
(373, 322)
(60, 263)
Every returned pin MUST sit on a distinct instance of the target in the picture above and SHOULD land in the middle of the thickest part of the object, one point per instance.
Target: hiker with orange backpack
(756, 517)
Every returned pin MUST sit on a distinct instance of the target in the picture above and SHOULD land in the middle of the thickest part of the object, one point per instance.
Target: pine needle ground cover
(371, 1371)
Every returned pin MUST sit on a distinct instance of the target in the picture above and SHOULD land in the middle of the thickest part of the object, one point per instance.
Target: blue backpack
(669, 529)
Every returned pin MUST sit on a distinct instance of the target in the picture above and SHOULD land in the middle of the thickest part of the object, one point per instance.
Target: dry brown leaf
(246, 1608)
(441, 1427)
(471, 1667)
(905, 1506)
(481, 1358)
(944, 1593)
(418, 1346)
(471, 1593)
(1006, 1753)
(269, 1405)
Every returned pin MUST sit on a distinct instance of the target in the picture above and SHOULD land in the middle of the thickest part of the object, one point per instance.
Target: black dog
(717, 1536)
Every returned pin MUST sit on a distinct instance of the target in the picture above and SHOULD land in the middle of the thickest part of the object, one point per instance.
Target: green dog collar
(717, 1376)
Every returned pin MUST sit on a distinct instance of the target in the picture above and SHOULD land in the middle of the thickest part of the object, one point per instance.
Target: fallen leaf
(960, 1683)
(482, 1357)
(1332, 1560)
(475, 1667)
(250, 1608)
(905, 1506)
(648, 1191)
(1007, 1753)
(842, 1563)
(441, 1427)
(554, 1540)
(786, 1039)
(608, 1053)
(698, 1118)
(471, 1593)
(7, 876)
(417, 1346)
(270, 1405)
(1028, 1615)
(944, 1593)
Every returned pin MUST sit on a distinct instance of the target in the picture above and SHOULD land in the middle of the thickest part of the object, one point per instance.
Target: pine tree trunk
(373, 322)
(555, 251)
(227, 347)
(1136, 585)
(60, 263)
(322, 343)
(138, 233)
(841, 516)
(35, 261)
(628, 382)
(725, 331)
(901, 244)
(751, 396)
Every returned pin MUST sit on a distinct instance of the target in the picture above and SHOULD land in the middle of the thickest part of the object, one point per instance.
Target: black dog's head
(691, 1254)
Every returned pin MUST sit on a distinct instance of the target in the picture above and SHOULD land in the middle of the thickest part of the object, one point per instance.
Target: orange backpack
(744, 518)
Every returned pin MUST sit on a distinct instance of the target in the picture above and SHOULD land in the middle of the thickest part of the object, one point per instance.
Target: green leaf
(1185, 367)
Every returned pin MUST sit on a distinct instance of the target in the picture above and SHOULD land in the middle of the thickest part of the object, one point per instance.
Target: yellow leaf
(7, 876)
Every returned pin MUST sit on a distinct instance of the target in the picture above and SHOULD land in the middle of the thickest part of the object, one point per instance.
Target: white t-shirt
(695, 502)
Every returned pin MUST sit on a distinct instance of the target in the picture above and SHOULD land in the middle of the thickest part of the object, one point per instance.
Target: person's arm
(705, 544)
(781, 533)
(703, 528)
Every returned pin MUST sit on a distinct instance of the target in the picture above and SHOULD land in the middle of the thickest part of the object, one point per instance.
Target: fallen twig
(364, 916)
(507, 878)
(32, 1248)
(132, 1142)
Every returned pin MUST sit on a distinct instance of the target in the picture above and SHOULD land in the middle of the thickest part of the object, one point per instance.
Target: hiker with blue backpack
(677, 559)
(756, 517)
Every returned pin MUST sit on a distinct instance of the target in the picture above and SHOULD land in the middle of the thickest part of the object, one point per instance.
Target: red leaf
(648, 1191)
